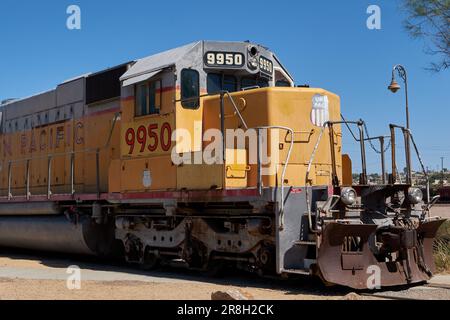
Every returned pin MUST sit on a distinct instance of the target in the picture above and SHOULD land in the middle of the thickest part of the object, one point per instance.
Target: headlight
(348, 196)
(415, 195)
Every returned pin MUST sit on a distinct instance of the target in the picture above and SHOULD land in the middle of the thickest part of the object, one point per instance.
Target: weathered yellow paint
(152, 157)
(347, 174)
(122, 171)
(200, 176)
(160, 170)
(115, 185)
(236, 168)
(57, 143)
(289, 107)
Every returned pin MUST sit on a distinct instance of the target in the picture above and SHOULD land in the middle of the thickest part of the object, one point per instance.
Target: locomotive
(207, 156)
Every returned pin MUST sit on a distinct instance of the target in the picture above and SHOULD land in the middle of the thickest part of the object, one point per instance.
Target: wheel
(150, 261)
(216, 269)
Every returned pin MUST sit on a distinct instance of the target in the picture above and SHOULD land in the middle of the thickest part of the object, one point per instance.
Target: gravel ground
(421, 293)
(441, 210)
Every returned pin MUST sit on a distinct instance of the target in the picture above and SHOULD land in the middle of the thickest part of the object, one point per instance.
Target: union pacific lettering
(43, 139)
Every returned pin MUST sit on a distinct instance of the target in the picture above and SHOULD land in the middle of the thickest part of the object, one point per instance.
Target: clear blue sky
(323, 43)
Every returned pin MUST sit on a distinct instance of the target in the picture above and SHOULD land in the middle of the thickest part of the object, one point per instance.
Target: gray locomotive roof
(158, 61)
(144, 67)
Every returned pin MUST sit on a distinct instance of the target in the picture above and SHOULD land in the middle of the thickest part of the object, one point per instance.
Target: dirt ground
(26, 276)
(125, 290)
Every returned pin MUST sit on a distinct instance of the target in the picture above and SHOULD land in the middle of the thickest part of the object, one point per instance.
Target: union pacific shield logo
(320, 113)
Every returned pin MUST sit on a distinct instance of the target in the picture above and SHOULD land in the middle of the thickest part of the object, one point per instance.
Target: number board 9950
(265, 65)
(224, 59)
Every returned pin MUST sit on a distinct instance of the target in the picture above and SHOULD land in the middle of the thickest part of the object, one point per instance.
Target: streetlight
(394, 87)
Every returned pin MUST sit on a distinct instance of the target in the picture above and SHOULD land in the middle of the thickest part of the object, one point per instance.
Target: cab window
(190, 88)
(217, 82)
(148, 98)
(214, 83)
(229, 83)
(253, 82)
(282, 83)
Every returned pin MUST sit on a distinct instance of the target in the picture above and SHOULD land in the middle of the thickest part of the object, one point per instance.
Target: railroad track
(438, 286)
(386, 296)
(382, 295)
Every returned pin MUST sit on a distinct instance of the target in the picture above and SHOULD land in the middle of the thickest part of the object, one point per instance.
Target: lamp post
(394, 87)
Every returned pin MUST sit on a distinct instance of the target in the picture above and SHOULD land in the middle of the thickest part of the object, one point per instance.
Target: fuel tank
(77, 235)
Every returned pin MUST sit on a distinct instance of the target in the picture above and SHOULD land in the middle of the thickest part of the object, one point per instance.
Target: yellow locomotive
(205, 156)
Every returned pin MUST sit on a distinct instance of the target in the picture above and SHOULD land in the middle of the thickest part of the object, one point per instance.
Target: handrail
(329, 124)
(308, 170)
(382, 153)
(227, 93)
(427, 177)
(288, 157)
(406, 135)
(283, 174)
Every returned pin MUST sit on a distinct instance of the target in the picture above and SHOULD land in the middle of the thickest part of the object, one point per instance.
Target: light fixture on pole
(394, 87)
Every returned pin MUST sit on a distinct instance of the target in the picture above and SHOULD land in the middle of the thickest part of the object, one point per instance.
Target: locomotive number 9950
(224, 59)
(149, 138)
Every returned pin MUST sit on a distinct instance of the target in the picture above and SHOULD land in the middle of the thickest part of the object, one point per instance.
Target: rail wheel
(150, 261)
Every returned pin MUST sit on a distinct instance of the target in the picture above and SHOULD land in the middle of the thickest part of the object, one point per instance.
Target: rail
(381, 139)
(50, 158)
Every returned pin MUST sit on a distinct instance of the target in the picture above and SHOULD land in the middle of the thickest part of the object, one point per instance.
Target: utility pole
(442, 171)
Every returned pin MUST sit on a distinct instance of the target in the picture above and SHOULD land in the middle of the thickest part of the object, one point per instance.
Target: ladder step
(297, 271)
(305, 243)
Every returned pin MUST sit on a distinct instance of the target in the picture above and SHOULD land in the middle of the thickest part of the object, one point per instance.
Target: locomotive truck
(115, 163)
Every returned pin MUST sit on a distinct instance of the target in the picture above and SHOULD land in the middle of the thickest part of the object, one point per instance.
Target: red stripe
(126, 99)
(163, 195)
(99, 113)
(166, 89)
